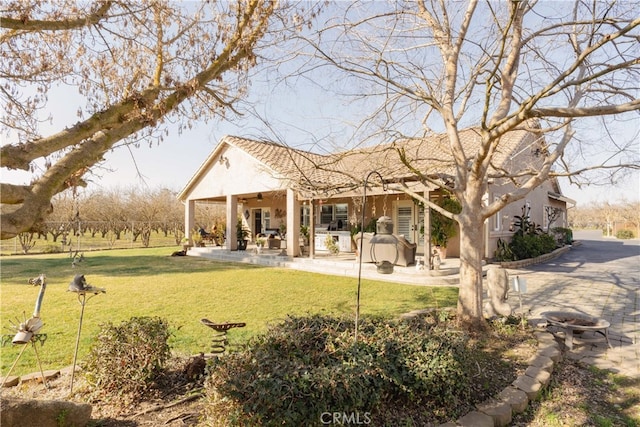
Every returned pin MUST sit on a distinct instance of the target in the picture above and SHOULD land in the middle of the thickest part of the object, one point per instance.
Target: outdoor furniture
(219, 341)
(406, 250)
(274, 242)
(572, 323)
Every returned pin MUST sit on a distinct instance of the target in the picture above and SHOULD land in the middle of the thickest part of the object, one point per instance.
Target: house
(273, 186)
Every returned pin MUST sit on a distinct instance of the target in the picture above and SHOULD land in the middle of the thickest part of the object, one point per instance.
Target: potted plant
(442, 227)
(242, 234)
(304, 239)
(197, 238)
(185, 244)
(260, 242)
(304, 232)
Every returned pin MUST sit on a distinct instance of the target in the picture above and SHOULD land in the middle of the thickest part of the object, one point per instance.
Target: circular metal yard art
(574, 323)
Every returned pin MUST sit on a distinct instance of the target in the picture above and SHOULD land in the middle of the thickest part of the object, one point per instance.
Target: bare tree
(561, 70)
(138, 65)
(630, 212)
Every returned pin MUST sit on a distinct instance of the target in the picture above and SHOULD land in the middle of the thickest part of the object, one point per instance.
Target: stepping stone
(11, 381)
(37, 376)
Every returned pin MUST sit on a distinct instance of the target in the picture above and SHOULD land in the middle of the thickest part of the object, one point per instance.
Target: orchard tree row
(614, 219)
(112, 213)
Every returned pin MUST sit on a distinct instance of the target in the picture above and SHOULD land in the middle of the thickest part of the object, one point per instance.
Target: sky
(171, 163)
(299, 115)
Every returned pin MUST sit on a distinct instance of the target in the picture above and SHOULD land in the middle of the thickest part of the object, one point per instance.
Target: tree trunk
(470, 292)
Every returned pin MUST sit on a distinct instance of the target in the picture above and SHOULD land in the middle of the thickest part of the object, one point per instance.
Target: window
(497, 218)
(326, 214)
(552, 217)
(341, 213)
(305, 214)
(266, 218)
(335, 215)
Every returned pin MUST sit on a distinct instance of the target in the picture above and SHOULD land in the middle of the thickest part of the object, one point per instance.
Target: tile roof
(337, 172)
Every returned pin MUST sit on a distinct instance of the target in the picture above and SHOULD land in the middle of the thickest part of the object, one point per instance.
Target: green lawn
(85, 243)
(148, 282)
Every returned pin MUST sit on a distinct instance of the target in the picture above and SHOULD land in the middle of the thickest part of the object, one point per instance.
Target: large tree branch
(603, 110)
(19, 156)
(90, 140)
(26, 24)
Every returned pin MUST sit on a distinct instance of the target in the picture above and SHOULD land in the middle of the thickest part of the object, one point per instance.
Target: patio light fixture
(259, 197)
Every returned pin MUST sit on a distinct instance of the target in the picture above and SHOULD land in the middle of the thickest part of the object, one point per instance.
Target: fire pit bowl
(576, 323)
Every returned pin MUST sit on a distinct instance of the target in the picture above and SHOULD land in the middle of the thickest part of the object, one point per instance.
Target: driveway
(600, 277)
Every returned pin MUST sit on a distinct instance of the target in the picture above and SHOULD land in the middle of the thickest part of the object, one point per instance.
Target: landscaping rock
(516, 398)
(37, 376)
(552, 353)
(529, 385)
(538, 374)
(500, 411)
(11, 381)
(475, 419)
(542, 361)
(17, 412)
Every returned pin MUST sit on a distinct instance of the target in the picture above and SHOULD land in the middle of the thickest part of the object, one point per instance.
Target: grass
(85, 243)
(183, 290)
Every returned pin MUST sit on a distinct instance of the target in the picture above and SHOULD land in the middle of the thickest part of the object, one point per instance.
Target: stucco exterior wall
(233, 171)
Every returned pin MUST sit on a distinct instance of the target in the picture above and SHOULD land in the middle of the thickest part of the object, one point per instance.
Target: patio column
(189, 218)
(293, 224)
(427, 230)
(312, 229)
(232, 219)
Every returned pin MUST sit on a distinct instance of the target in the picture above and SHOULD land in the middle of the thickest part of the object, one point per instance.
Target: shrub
(503, 252)
(624, 234)
(309, 365)
(547, 243)
(125, 359)
(565, 235)
(52, 249)
(525, 246)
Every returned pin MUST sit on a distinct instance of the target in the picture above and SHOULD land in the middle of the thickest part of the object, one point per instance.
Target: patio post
(427, 231)
(293, 224)
(232, 218)
(189, 218)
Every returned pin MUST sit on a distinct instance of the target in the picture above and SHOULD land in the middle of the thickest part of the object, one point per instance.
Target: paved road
(599, 277)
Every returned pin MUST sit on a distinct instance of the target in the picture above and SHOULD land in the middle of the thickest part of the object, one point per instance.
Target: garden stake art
(79, 286)
(27, 331)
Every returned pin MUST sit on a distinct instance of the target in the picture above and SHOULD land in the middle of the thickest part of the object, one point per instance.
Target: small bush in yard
(125, 359)
(624, 234)
(308, 366)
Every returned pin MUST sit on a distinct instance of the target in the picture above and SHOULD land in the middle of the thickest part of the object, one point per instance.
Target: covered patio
(315, 206)
(342, 264)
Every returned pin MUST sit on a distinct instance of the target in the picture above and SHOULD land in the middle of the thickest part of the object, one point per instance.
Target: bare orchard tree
(138, 64)
(430, 66)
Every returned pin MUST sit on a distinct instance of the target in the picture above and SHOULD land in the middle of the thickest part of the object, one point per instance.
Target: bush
(125, 360)
(547, 243)
(565, 235)
(309, 365)
(624, 234)
(525, 246)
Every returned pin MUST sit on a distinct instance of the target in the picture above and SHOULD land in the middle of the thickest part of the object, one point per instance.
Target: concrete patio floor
(342, 264)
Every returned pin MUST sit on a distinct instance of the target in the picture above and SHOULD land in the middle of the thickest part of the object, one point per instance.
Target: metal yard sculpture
(80, 286)
(27, 331)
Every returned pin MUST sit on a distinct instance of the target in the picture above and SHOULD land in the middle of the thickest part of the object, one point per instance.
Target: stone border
(532, 261)
(515, 398)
